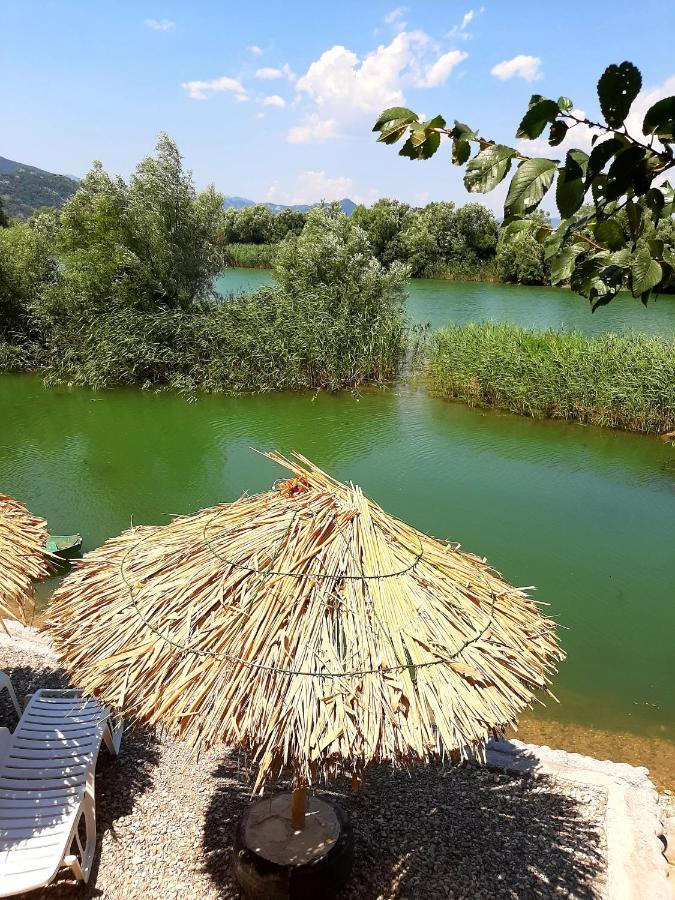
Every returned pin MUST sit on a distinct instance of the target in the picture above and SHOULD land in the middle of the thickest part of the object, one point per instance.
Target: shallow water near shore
(436, 303)
(587, 515)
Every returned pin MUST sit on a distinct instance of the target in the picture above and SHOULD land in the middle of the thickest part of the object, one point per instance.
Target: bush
(335, 320)
(621, 381)
(521, 260)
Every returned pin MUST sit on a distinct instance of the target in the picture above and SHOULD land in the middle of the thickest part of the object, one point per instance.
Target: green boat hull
(64, 545)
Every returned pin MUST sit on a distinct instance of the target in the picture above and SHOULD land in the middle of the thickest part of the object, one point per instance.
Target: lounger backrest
(47, 766)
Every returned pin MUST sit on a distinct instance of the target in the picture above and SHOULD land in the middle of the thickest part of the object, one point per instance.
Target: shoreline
(657, 755)
(603, 816)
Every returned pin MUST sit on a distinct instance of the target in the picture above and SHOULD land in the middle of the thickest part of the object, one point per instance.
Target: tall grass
(251, 256)
(251, 343)
(619, 381)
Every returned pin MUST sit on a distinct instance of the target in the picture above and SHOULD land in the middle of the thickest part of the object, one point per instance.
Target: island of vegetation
(118, 287)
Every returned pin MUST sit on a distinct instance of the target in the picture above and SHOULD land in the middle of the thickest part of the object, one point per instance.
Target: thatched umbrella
(307, 626)
(23, 558)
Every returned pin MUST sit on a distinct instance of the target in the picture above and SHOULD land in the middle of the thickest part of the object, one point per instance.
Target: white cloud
(160, 24)
(527, 67)
(274, 100)
(254, 49)
(313, 129)
(466, 19)
(312, 187)
(260, 115)
(269, 73)
(199, 90)
(344, 88)
(438, 73)
(461, 31)
(395, 18)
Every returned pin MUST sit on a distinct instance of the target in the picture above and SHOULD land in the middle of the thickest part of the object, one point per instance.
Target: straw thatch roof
(307, 626)
(23, 558)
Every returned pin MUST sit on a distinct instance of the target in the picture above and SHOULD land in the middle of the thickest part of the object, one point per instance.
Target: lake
(587, 515)
(438, 302)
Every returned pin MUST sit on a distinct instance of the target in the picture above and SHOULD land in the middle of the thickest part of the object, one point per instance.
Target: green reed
(619, 381)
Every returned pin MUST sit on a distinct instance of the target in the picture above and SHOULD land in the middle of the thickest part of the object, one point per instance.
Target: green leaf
(462, 131)
(598, 188)
(621, 258)
(570, 189)
(531, 181)
(517, 226)
(430, 146)
(563, 264)
(601, 155)
(537, 118)
(634, 219)
(660, 119)
(557, 133)
(418, 136)
(436, 122)
(610, 233)
(392, 134)
(565, 104)
(461, 151)
(656, 246)
(655, 202)
(617, 88)
(626, 172)
(394, 113)
(646, 273)
(488, 168)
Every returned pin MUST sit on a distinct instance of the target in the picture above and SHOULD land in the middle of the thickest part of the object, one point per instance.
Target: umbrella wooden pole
(298, 806)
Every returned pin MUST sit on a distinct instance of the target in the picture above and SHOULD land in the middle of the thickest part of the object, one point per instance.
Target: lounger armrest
(6, 683)
(5, 738)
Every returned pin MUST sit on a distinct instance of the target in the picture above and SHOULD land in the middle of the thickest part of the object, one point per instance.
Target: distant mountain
(23, 188)
(348, 206)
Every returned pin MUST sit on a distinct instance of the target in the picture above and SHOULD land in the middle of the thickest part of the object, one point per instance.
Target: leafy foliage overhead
(613, 243)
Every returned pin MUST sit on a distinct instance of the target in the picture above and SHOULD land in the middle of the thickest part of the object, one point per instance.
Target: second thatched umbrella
(23, 558)
(307, 626)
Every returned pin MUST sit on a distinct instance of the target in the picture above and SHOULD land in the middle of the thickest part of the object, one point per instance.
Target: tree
(26, 266)
(152, 243)
(288, 221)
(383, 222)
(333, 257)
(4, 221)
(622, 173)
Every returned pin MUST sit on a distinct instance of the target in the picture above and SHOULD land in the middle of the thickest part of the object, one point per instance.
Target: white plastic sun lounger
(47, 810)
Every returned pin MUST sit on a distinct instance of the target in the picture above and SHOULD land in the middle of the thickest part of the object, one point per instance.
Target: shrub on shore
(335, 320)
(619, 381)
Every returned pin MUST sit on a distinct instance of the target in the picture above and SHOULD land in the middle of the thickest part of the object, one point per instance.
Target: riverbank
(537, 822)
(616, 381)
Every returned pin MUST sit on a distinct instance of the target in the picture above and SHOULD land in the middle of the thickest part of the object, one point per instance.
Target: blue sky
(275, 100)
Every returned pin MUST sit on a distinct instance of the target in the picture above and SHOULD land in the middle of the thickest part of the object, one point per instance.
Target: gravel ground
(166, 821)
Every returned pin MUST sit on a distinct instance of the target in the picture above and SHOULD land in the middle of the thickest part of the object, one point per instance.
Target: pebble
(166, 821)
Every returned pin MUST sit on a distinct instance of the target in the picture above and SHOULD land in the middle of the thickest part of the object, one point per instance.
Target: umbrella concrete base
(275, 861)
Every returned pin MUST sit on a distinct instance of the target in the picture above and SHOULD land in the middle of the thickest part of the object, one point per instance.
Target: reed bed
(251, 256)
(23, 539)
(307, 627)
(619, 381)
(258, 342)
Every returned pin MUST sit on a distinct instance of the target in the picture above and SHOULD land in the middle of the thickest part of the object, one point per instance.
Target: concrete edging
(636, 865)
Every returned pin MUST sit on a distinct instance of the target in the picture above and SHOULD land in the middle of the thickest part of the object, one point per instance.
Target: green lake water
(438, 302)
(586, 515)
